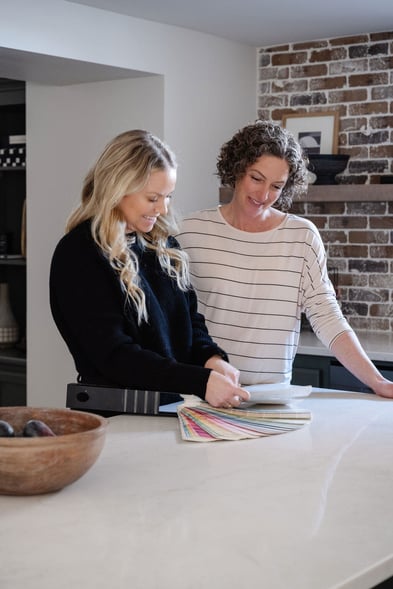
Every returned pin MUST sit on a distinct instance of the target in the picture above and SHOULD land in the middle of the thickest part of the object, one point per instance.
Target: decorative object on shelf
(9, 330)
(311, 177)
(326, 167)
(13, 151)
(317, 132)
(12, 157)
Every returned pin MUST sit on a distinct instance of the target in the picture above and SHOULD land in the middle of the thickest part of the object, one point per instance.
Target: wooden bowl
(30, 466)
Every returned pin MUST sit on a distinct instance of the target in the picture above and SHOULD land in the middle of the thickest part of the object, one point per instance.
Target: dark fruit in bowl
(47, 463)
(35, 428)
(6, 430)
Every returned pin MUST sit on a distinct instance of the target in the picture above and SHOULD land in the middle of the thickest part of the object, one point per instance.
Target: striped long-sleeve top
(252, 288)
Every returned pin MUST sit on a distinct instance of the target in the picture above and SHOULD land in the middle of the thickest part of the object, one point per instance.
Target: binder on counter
(117, 400)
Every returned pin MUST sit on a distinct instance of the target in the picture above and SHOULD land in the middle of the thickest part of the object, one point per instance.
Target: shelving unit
(12, 262)
(348, 192)
(333, 193)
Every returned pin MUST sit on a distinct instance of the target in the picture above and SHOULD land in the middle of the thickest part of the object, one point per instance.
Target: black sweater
(100, 329)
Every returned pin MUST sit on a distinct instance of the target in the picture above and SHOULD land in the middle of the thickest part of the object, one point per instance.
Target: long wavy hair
(264, 138)
(125, 167)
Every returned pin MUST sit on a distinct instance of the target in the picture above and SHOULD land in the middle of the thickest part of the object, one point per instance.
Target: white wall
(210, 83)
(206, 89)
(79, 121)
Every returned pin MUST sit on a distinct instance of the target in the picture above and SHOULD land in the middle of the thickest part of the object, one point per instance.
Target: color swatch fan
(200, 422)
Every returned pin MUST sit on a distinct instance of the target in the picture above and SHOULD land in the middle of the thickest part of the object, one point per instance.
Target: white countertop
(377, 344)
(310, 509)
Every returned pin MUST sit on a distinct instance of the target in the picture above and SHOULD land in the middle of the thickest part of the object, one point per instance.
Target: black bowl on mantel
(327, 166)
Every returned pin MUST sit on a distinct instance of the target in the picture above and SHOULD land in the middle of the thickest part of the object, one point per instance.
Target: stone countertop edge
(378, 345)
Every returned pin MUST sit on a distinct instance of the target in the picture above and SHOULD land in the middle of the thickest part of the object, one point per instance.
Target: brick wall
(351, 75)
(358, 237)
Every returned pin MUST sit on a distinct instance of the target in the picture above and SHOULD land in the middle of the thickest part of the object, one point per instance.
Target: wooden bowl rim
(60, 439)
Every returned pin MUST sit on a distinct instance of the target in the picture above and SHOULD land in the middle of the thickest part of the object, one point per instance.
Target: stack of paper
(200, 422)
(278, 393)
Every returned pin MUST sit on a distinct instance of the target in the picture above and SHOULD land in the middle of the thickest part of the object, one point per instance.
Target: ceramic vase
(9, 331)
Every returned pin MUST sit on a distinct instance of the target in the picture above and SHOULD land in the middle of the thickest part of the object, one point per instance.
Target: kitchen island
(310, 509)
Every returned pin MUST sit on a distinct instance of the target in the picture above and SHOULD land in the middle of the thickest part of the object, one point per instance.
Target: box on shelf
(12, 156)
(16, 139)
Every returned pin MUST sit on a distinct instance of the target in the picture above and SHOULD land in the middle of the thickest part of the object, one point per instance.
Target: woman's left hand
(220, 365)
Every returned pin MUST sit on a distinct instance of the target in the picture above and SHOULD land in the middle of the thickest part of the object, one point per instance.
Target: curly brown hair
(264, 138)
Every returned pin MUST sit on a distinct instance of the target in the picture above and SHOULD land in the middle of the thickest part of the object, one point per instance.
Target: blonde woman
(119, 284)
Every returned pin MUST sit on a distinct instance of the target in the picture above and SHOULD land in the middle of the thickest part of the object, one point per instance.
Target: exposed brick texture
(358, 238)
(354, 77)
(351, 75)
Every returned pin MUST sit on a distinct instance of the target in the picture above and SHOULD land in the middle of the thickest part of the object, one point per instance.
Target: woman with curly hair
(120, 291)
(256, 267)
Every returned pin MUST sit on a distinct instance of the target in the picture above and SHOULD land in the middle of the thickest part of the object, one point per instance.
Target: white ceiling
(248, 21)
(261, 23)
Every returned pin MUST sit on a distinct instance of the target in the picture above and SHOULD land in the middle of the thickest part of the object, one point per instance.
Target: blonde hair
(124, 167)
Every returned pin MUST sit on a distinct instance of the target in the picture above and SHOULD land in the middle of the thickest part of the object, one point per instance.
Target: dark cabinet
(341, 378)
(12, 235)
(311, 370)
(327, 372)
(12, 378)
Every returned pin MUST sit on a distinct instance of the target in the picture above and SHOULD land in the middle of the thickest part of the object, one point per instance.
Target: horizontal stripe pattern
(252, 288)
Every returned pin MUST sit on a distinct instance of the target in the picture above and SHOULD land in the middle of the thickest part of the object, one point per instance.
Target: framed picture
(317, 132)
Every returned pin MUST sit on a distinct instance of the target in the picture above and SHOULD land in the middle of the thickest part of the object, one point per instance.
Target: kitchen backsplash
(350, 75)
(358, 237)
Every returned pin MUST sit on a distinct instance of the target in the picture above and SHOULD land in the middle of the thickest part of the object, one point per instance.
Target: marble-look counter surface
(310, 509)
(377, 344)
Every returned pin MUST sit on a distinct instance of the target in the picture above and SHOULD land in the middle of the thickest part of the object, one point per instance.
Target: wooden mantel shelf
(347, 192)
(335, 193)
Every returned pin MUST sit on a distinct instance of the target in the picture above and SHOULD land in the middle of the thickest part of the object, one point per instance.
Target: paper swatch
(200, 422)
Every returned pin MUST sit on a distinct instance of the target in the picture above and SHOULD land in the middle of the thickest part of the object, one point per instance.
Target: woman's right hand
(222, 392)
